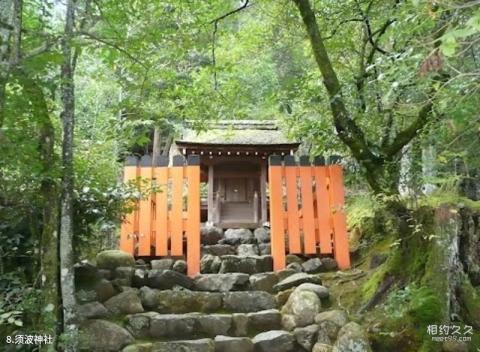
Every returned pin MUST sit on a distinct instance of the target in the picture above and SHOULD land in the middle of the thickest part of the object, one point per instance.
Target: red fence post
(161, 208)
(177, 173)
(340, 238)
(128, 227)
(193, 215)
(276, 212)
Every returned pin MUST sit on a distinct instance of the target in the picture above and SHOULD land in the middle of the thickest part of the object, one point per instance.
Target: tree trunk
(49, 192)
(428, 169)
(66, 221)
(156, 144)
(6, 29)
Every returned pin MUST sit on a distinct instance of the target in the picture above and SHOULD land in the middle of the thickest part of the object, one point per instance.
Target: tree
(380, 160)
(67, 282)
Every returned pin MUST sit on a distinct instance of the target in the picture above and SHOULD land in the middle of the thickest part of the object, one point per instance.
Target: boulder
(162, 264)
(105, 336)
(85, 296)
(124, 275)
(321, 291)
(166, 279)
(274, 340)
(263, 281)
(221, 282)
(329, 264)
(213, 324)
(351, 338)
(180, 266)
(322, 347)
(337, 316)
(264, 320)
(149, 297)
(92, 310)
(322, 336)
(86, 275)
(312, 266)
(247, 249)
(297, 267)
(139, 347)
(239, 324)
(140, 278)
(202, 345)
(113, 258)
(188, 301)
(292, 258)
(218, 249)
(248, 301)
(296, 280)
(233, 344)
(126, 302)
(282, 296)
(172, 326)
(248, 265)
(331, 321)
(300, 310)
(210, 234)
(139, 324)
(284, 273)
(104, 290)
(210, 264)
(262, 235)
(306, 336)
(265, 248)
(238, 236)
(105, 274)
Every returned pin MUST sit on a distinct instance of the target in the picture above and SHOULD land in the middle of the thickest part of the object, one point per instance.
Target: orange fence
(168, 214)
(307, 210)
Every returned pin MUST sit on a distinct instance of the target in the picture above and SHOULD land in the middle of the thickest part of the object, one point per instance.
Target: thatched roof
(238, 132)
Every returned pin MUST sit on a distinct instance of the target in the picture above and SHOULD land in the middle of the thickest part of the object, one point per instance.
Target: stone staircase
(237, 303)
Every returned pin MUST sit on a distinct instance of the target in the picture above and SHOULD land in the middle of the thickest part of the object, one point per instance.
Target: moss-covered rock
(102, 335)
(112, 259)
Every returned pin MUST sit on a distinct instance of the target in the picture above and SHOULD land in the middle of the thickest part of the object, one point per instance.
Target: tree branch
(405, 136)
(93, 36)
(214, 35)
(348, 131)
(244, 6)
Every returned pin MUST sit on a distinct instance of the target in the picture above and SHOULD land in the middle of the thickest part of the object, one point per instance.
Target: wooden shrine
(234, 166)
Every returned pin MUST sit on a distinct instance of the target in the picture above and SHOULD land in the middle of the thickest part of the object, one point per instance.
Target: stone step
(268, 341)
(153, 325)
(248, 264)
(186, 301)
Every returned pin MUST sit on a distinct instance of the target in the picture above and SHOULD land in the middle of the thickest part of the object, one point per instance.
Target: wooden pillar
(211, 203)
(263, 192)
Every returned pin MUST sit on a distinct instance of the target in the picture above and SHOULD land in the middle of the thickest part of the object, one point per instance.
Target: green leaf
(449, 46)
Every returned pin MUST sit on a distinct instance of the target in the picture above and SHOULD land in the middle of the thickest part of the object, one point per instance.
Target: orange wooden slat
(276, 217)
(292, 210)
(323, 209)
(307, 210)
(127, 230)
(161, 228)
(145, 213)
(176, 174)
(193, 220)
(340, 239)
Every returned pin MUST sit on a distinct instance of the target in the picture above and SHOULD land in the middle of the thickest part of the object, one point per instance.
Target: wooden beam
(211, 204)
(263, 192)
